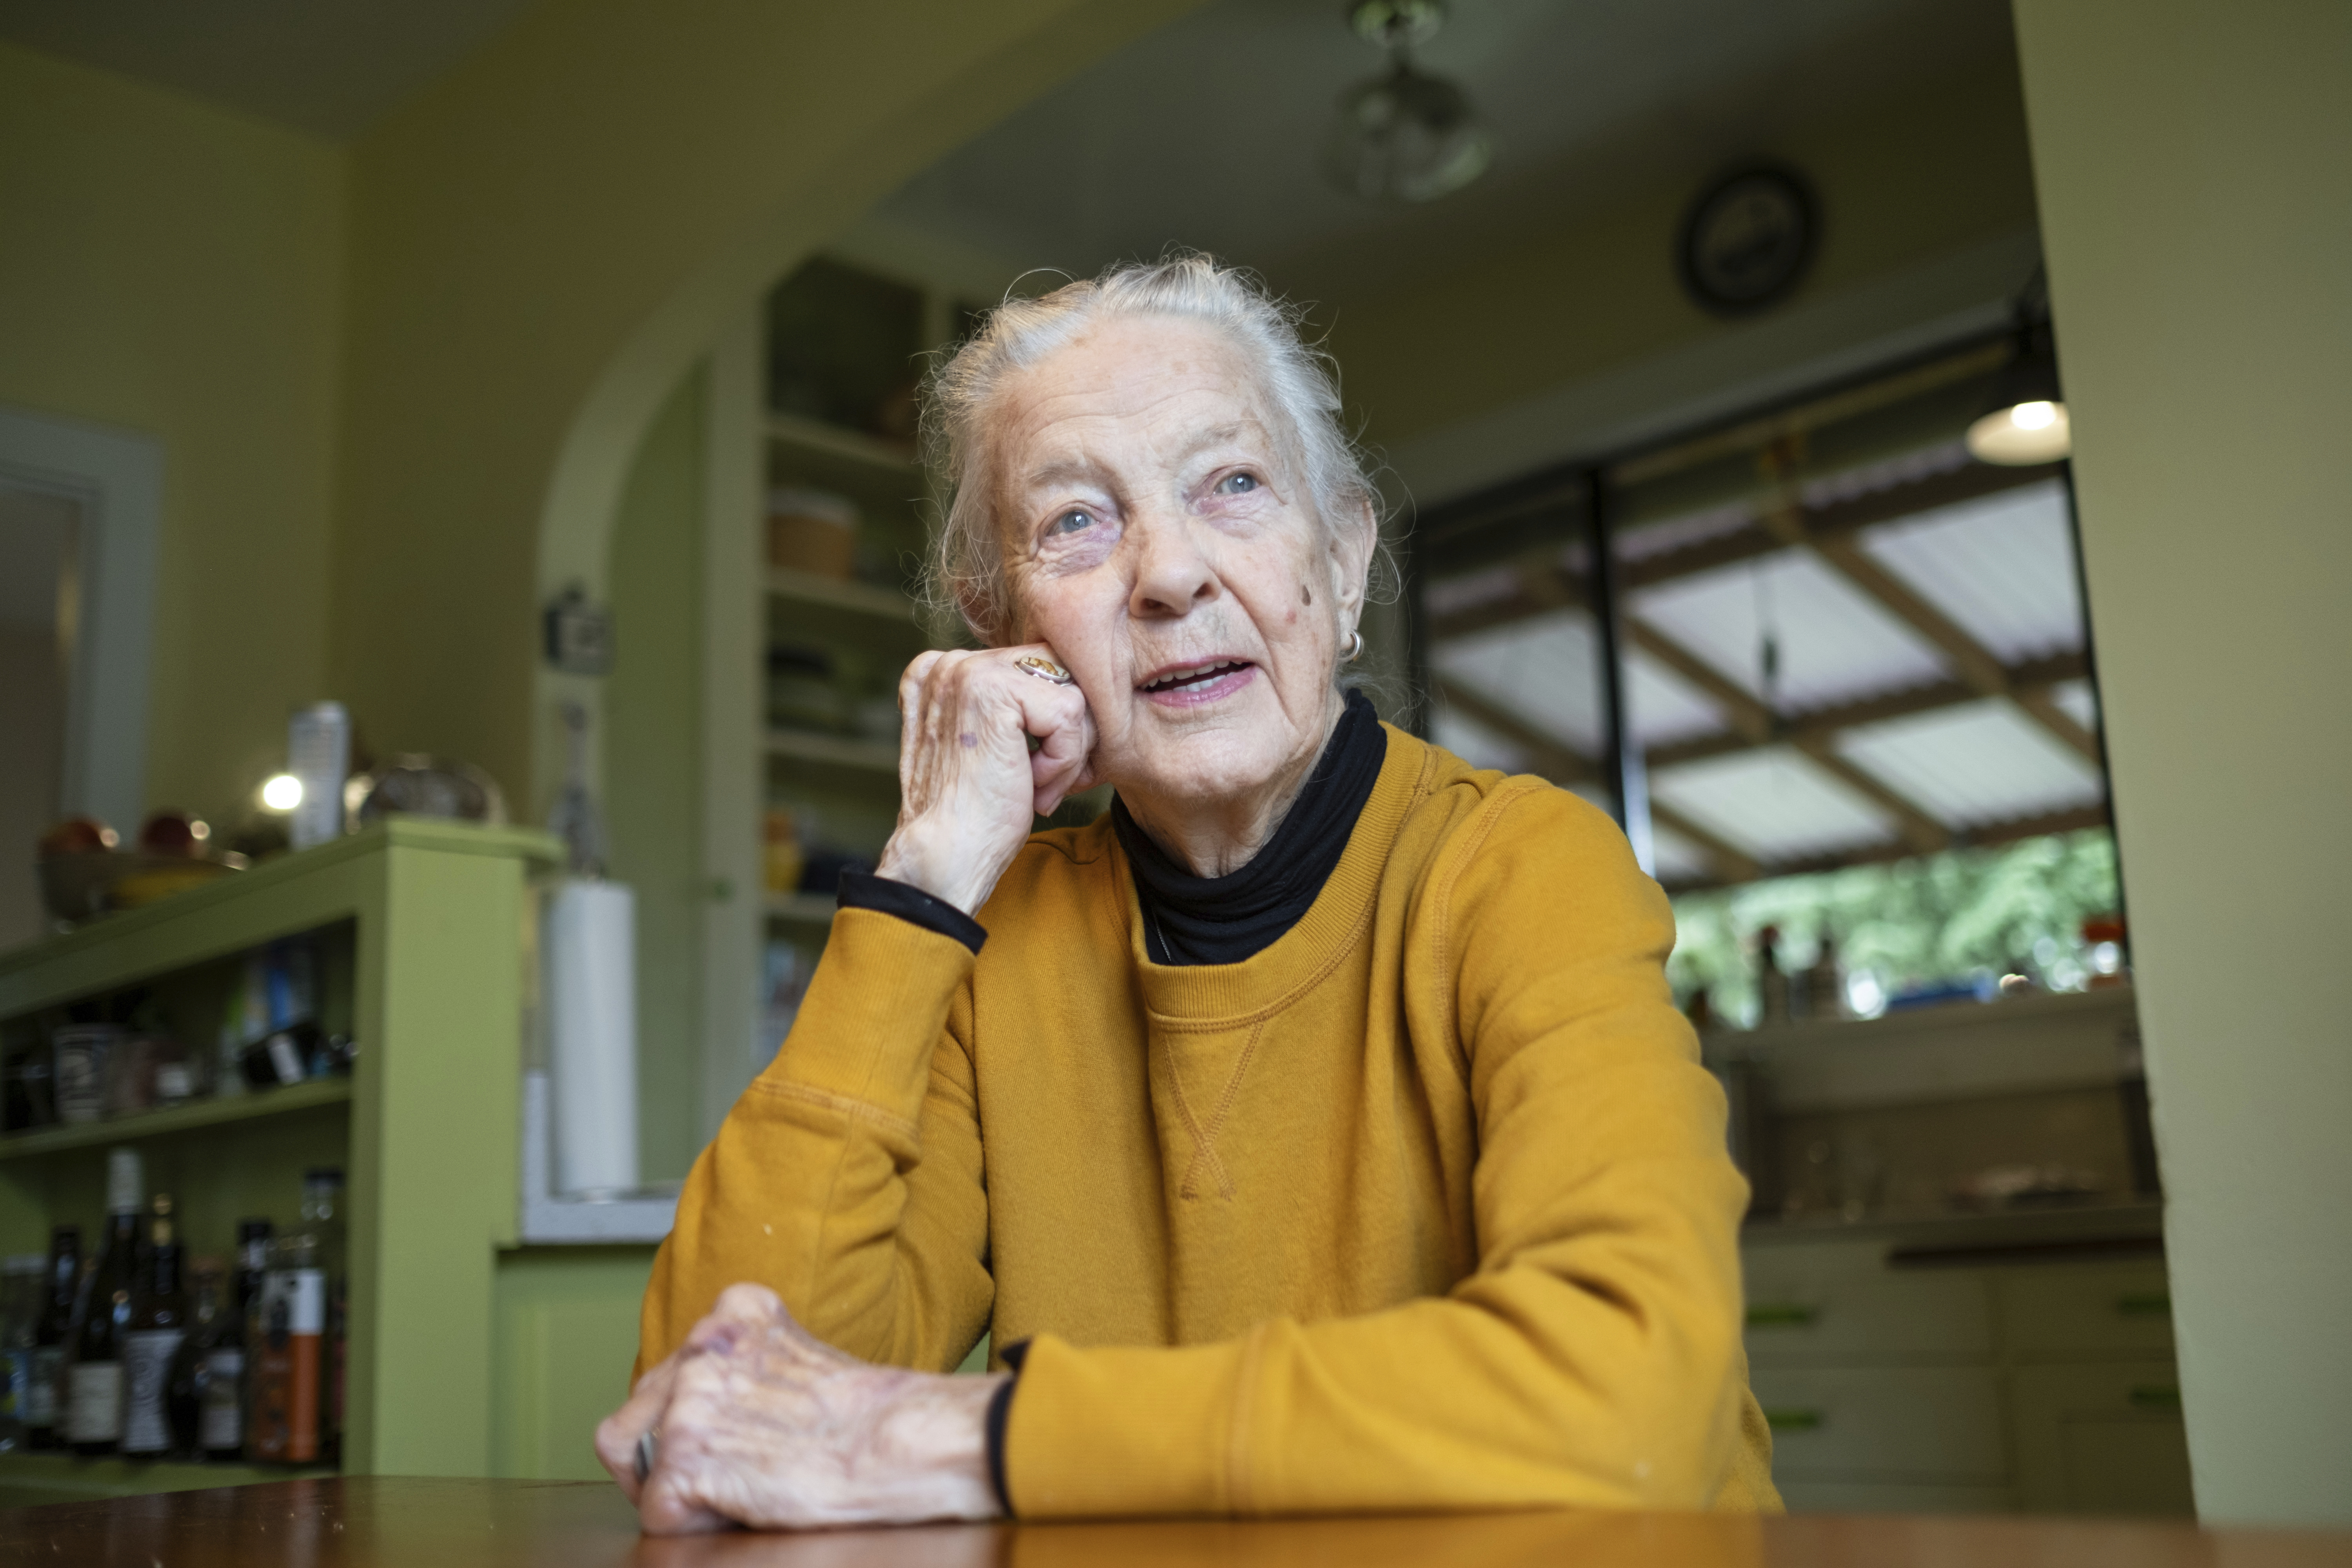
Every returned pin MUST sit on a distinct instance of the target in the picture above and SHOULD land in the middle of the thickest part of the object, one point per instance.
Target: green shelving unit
(214, 1112)
(436, 921)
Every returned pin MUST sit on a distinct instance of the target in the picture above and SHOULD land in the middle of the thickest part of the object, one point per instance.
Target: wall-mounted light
(2025, 421)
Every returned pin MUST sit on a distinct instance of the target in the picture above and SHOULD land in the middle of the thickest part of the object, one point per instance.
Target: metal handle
(1781, 1315)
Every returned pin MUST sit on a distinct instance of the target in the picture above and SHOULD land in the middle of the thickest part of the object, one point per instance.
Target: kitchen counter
(2088, 1229)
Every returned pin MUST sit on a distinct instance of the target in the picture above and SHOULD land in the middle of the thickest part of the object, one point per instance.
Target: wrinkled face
(1158, 536)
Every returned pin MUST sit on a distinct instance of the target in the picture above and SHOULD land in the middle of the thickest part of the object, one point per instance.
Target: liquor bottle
(289, 1319)
(49, 1356)
(322, 1217)
(294, 1414)
(102, 1314)
(21, 1296)
(252, 1263)
(203, 1398)
(159, 1321)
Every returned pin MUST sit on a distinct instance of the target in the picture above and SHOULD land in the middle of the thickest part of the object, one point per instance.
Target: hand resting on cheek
(970, 785)
(757, 1423)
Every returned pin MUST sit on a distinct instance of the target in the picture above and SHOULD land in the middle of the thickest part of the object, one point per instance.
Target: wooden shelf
(835, 751)
(837, 441)
(187, 1117)
(860, 598)
(801, 909)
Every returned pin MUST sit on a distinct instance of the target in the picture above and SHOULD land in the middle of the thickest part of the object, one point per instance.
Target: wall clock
(1746, 240)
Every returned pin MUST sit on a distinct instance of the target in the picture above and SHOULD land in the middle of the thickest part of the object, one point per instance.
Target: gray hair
(965, 572)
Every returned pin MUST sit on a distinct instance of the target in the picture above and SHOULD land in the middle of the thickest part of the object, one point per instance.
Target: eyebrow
(1062, 471)
(1069, 470)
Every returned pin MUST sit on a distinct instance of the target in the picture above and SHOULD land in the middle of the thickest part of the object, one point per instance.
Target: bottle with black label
(204, 1399)
(102, 1314)
(159, 1321)
(49, 1331)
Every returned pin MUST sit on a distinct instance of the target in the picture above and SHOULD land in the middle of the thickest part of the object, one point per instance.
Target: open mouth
(1190, 678)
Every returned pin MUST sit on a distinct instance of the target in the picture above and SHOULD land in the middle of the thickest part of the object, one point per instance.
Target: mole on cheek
(969, 739)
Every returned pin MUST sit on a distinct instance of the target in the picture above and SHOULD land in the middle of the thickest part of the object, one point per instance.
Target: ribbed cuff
(999, 1412)
(860, 891)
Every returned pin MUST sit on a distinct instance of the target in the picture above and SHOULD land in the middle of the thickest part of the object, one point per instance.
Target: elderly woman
(1314, 1129)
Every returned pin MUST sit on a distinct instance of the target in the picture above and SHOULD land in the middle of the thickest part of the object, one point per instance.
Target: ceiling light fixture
(1404, 136)
(2025, 421)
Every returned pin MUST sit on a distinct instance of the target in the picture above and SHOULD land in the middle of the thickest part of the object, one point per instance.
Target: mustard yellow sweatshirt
(1426, 1206)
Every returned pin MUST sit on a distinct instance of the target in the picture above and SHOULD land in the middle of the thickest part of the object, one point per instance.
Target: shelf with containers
(847, 499)
(848, 508)
(419, 937)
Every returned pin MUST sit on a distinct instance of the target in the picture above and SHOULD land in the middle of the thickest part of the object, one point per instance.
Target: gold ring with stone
(1043, 668)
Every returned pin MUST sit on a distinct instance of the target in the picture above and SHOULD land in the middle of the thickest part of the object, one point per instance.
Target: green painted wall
(2195, 164)
(653, 774)
(178, 269)
(588, 194)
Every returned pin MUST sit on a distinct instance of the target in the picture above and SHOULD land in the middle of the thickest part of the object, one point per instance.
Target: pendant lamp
(1406, 136)
(2025, 421)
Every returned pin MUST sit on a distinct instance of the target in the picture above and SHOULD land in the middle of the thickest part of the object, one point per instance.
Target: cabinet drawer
(1812, 1304)
(1906, 1422)
(2091, 1309)
(2101, 1437)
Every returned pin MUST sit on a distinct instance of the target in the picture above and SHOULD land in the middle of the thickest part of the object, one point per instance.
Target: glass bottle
(288, 1323)
(102, 1314)
(203, 1399)
(49, 1332)
(322, 1217)
(20, 1305)
(252, 1262)
(253, 1243)
(159, 1321)
(293, 1415)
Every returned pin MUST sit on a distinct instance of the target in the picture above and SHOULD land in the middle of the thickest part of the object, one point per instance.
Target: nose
(1172, 575)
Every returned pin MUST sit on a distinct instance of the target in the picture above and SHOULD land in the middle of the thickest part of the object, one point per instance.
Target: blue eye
(1069, 522)
(1237, 484)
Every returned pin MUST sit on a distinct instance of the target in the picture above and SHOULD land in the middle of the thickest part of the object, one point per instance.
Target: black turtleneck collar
(1190, 920)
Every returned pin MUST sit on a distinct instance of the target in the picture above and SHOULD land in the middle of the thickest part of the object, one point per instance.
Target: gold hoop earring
(1355, 645)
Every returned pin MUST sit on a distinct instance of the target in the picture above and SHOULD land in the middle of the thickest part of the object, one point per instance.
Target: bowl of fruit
(77, 864)
(85, 872)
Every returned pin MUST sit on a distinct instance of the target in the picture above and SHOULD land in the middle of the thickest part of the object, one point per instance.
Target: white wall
(2194, 163)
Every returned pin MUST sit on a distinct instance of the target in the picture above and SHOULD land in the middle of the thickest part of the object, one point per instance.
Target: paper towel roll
(588, 946)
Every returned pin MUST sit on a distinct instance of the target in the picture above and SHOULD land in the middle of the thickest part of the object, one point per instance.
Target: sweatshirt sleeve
(848, 1177)
(1592, 1357)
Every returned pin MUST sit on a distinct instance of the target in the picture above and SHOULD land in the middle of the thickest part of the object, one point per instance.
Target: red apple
(76, 835)
(172, 833)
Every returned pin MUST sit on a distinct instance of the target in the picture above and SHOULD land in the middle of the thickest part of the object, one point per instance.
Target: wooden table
(364, 1521)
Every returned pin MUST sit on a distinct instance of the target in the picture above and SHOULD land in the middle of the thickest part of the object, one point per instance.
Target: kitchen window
(1834, 676)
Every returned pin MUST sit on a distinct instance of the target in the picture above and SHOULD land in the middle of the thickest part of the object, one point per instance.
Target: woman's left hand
(757, 1422)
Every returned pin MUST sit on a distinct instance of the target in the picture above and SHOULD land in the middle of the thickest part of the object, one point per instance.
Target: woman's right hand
(970, 786)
